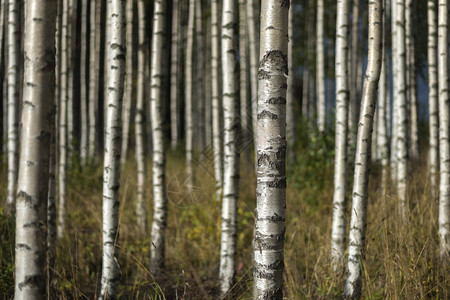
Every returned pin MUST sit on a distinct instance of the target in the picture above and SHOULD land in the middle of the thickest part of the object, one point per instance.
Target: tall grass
(401, 262)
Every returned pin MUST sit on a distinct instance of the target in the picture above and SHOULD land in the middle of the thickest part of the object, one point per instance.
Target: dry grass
(401, 261)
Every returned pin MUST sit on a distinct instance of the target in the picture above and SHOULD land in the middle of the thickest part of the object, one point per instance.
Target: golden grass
(401, 261)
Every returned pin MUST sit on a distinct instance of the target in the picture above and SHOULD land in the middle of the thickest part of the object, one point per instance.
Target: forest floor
(401, 262)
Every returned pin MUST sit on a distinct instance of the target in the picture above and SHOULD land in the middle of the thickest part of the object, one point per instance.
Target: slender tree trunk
(320, 54)
(140, 120)
(83, 84)
(188, 96)
(207, 83)
(433, 96)
(253, 59)
(32, 196)
(128, 96)
(355, 79)
(353, 283)
(71, 29)
(271, 153)
(444, 132)
(113, 131)
(3, 41)
(245, 109)
(13, 100)
(290, 108)
(62, 163)
(159, 157)
(340, 161)
(199, 94)
(231, 150)
(174, 69)
(395, 78)
(412, 83)
(382, 109)
(215, 91)
(94, 58)
(400, 102)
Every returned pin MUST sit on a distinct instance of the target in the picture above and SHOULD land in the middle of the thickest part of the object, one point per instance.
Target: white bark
(231, 150)
(159, 223)
(433, 96)
(94, 43)
(353, 283)
(83, 84)
(217, 148)
(128, 96)
(140, 120)
(32, 196)
(113, 131)
(411, 79)
(290, 116)
(188, 95)
(320, 54)
(174, 66)
(444, 132)
(271, 152)
(62, 162)
(340, 161)
(253, 59)
(13, 100)
(401, 106)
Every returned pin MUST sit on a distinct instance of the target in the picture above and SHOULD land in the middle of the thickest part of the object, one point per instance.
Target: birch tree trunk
(199, 94)
(71, 29)
(94, 58)
(320, 54)
(188, 96)
(355, 80)
(411, 79)
(215, 91)
(231, 150)
(159, 157)
(128, 96)
(400, 102)
(140, 120)
(253, 59)
(83, 84)
(13, 49)
(271, 152)
(62, 163)
(113, 131)
(382, 110)
(444, 132)
(290, 116)
(340, 161)
(174, 69)
(433, 96)
(353, 283)
(245, 109)
(32, 195)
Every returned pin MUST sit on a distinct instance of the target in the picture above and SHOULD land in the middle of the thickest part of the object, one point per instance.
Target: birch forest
(224, 149)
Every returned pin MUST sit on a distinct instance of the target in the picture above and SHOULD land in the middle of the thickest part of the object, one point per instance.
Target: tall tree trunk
(433, 96)
(207, 83)
(188, 96)
(83, 84)
(140, 120)
(199, 95)
(290, 109)
(215, 92)
(340, 160)
(174, 69)
(353, 283)
(411, 79)
(62, 162)
(444, 132)
(128, 96)
(320, 54)
(32, 196)
(71, 29)
(159, 157)
(231, 150)
(382, 110)
(355, 79)
(113, 131)
(253, 59)
(245, 109)
(271, 153)
(400, 103)
(3, 41)
(94, 58)
(13, 99)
